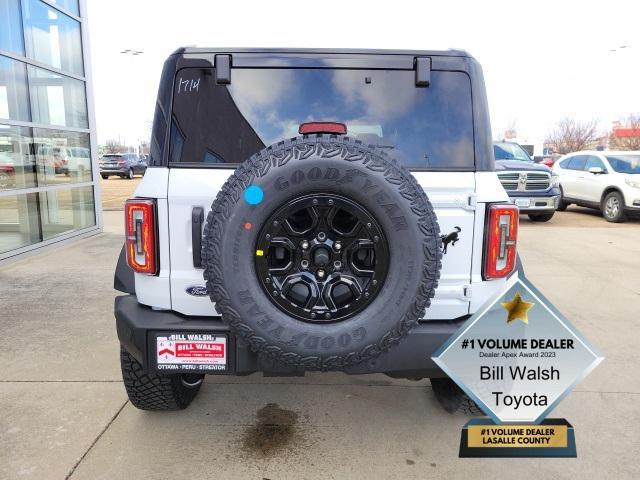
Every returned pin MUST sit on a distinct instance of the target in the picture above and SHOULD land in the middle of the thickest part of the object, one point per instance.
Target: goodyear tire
(148, 391)
(332, 165)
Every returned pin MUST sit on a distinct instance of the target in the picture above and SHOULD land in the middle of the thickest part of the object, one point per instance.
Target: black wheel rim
(321, 258)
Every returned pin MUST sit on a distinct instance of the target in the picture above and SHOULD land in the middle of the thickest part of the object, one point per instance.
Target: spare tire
(321, 252)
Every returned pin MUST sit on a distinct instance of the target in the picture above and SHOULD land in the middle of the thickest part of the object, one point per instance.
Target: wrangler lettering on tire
(321, 273)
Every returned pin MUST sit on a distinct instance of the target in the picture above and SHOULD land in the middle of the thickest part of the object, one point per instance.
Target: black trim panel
(197, 219)
(123, 280)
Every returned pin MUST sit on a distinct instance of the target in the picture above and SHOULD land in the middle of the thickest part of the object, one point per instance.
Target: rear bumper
(114, 171)
(530, 204)
(137, 324)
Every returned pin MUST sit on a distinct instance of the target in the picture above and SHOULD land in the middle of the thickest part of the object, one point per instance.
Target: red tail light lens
(140, 228)
(500, 241)
(121, 163)
(323, 127)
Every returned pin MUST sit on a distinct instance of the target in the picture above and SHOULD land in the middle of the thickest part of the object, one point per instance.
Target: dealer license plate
(523, 202)
(191, 352)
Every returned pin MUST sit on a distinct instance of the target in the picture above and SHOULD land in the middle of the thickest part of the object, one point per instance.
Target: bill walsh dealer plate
(517, 357)
(191, 352)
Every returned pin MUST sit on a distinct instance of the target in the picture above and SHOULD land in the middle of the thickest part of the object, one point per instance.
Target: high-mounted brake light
(140, 229)
(500, 241)
(323, 127)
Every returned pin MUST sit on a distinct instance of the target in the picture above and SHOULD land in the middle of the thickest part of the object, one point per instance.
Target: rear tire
(453, 399)
(562, 204)
(130, 174)
(149, 391)
(105, 177)
(540, 217)
(613, 208)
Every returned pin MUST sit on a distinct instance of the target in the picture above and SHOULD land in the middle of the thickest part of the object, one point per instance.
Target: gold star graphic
(517, 309)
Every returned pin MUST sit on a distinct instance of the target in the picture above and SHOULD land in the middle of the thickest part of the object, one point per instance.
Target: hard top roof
(357, 51)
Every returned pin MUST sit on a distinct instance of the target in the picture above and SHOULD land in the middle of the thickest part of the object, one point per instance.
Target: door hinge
(222, 64)
(423, 71)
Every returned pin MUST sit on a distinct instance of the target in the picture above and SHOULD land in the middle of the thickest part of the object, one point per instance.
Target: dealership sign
(518, 356)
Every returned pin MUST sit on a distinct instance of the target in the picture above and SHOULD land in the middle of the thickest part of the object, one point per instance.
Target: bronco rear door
(217, 125)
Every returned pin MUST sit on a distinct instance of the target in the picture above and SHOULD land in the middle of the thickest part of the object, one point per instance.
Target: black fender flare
(123, 280)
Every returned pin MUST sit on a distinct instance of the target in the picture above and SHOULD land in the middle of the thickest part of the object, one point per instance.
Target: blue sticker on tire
(253, 195)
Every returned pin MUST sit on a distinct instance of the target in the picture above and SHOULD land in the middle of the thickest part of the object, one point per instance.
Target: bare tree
(113, 146)
(144, 147)
(630, 141)
(571, 135)
(511, 130)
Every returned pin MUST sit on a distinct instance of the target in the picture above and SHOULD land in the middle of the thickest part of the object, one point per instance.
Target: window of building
(46, 180)
(17, 163)
(57, 99)
(10, 32)
(70, 6)
(19, 225)
(51, 37)
(14, 97)
(62, 211)
(61, 157)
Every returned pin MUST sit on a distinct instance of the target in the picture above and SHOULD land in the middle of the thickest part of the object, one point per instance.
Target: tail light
(500, 241)
(121, 163)
(140, 228)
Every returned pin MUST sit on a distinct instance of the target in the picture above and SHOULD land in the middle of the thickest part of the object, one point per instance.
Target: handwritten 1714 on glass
(188, 85)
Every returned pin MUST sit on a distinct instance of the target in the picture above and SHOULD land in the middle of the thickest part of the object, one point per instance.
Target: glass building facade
(48, 175)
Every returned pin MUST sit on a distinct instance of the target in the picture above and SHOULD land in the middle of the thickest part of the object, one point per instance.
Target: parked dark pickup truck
(531, 186)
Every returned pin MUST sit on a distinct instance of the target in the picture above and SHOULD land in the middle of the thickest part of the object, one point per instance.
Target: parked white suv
(606, 180)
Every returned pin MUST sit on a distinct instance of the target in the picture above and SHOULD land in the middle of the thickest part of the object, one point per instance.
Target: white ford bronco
(310, 210)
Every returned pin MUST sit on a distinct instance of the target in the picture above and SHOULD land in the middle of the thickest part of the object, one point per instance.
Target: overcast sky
(542, 60)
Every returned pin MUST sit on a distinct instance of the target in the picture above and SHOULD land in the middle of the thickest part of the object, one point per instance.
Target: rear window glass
(421, 127)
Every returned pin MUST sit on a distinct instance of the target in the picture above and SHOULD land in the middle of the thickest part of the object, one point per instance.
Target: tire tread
(148, 391)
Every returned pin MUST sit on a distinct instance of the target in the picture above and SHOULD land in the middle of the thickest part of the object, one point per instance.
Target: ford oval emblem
(197, 291)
